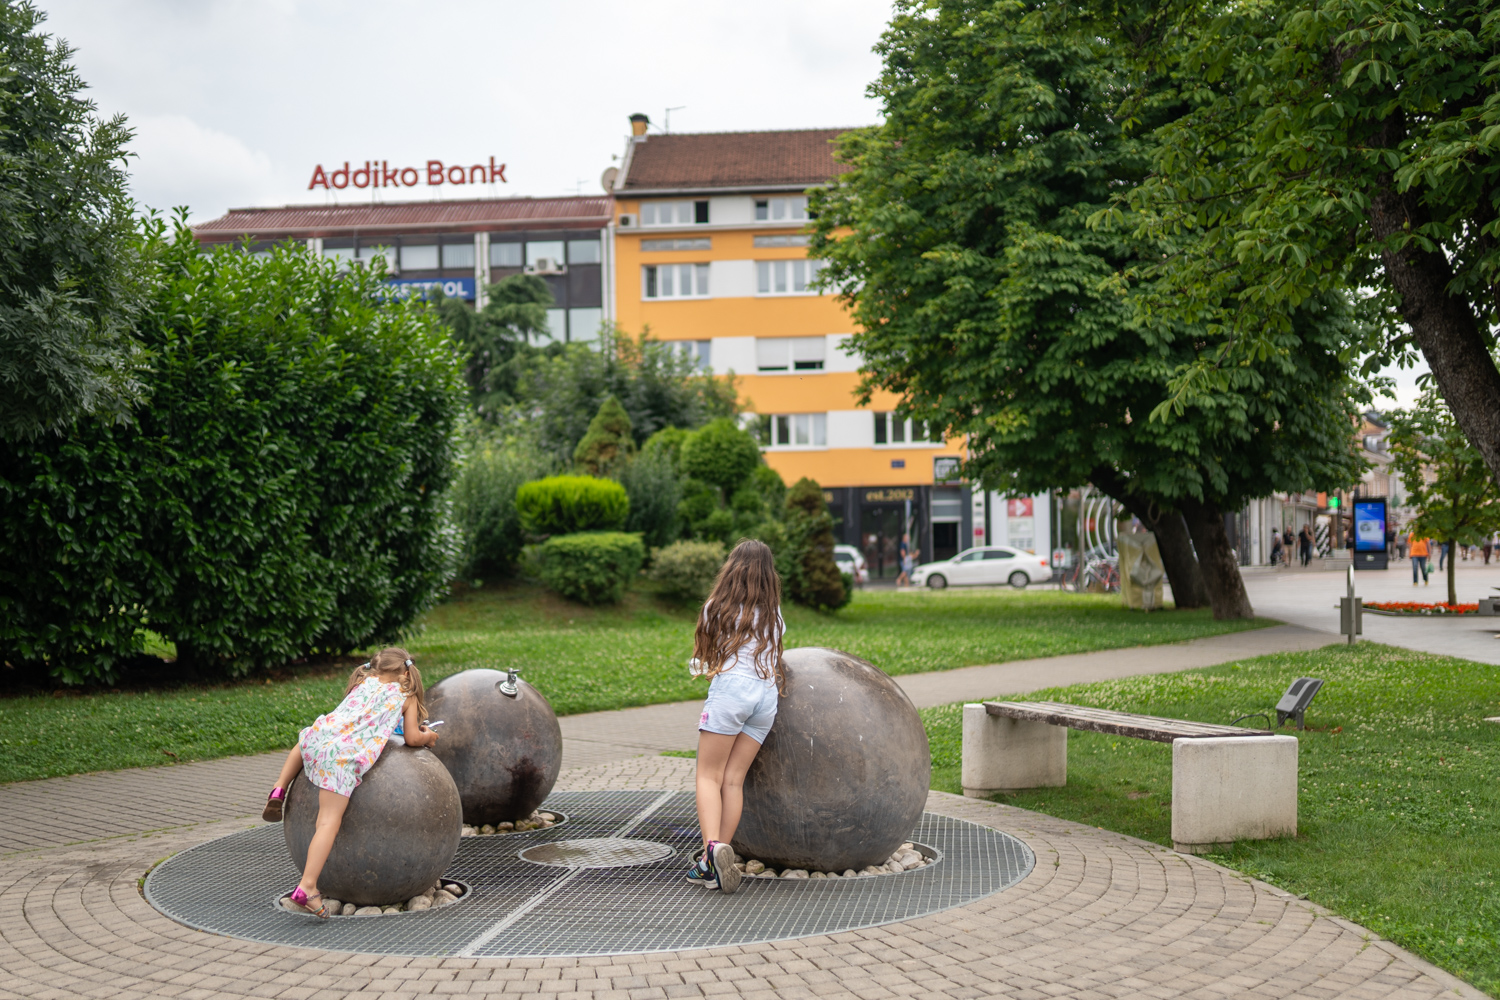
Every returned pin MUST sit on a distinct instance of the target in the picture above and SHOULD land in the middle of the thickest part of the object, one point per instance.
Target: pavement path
(1101, 916)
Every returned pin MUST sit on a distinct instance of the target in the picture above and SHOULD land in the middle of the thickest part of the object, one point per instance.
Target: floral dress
(338, 748)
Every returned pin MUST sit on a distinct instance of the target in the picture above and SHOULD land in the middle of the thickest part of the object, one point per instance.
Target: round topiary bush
(563, 505)
(721, 454)
(591, 567)
(686, 570)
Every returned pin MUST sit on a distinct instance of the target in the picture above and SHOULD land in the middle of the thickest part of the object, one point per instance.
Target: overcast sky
(235, 101)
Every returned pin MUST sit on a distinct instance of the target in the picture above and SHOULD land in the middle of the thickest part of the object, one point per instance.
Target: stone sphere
(503, 751)
(842, 779)
(400, 830)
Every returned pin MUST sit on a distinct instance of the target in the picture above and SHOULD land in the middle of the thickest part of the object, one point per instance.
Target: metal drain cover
(597, 852)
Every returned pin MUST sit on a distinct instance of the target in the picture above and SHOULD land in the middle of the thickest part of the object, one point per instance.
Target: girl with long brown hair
(738, 647)
(383, 695)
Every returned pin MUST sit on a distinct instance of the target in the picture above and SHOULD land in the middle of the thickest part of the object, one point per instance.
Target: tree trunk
(1177, 557)
(1221, 571)
(1452, 580)
(1443, 324)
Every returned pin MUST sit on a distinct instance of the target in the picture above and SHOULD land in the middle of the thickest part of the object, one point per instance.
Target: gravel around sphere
(440, 893)
(538, 820)
(907, 857)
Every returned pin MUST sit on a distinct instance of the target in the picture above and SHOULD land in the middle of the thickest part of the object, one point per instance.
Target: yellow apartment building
(709, 252)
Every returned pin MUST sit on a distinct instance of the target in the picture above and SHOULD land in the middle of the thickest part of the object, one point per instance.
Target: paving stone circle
(520, 909)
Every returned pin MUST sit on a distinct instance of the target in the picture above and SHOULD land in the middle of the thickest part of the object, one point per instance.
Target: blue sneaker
(703, 873)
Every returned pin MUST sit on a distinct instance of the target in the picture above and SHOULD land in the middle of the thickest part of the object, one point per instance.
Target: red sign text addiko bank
(380, 174)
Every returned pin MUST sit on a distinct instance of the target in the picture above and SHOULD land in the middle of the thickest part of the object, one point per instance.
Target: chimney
(638, 123)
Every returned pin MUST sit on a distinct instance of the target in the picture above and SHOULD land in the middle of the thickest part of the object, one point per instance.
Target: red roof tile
(687, 161)
(408, 216)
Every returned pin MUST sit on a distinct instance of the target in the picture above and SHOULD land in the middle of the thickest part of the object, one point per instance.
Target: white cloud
(179, 162)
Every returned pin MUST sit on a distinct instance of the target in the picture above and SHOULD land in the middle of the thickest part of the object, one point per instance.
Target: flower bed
(1417, 608)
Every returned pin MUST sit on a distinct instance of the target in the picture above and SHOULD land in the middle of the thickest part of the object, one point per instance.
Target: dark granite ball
(400, 830)
(503, 751)
(842, 779)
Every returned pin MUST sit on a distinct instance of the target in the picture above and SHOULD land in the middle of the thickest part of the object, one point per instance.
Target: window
(674, 213)
(505, 255)
(973, 556)
(999, 554)
(779, 354)
(550, 249)
(458, 255)
(557, 324)
(583, 324)
(781, 209)
(697, 243)
(781, 241)
(800, 430)
(674, 281)
(419, 258)
(891, 429)
(344, 255)
(583, 252)
(786, 277)
(699, 352)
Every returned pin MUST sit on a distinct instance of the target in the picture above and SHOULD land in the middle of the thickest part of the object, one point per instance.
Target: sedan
(989, 565)
(850, 560)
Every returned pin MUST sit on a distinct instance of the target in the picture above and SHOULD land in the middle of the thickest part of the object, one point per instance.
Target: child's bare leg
(331, 806)
(291, 768)
(713, 757)
(732, 790)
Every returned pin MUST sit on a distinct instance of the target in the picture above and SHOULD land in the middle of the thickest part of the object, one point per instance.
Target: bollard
(1351, 612)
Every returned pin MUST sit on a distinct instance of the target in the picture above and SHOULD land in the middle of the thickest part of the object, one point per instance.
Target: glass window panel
(551, 249)
(505, 255)
(800, 429)
(583, 252)
(783, 430)
(701, 271)
(344, 255)
(820, 430)
(778, 208)
(557, 323)
(583, 324)
(684, 279)
(419, 258)
(664, 275)
(705, 354)
(762, 210)
(700, 212)
(648, 213)
(898, 429)
(457, 255)
(779, 269)
(807, 352)
(880, 428)
(799, 275)
(649, 274)
(772, 354)
(763, 277)
(799, 208)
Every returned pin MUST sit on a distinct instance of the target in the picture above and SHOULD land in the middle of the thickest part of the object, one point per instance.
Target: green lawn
(1398, 804)
(582, 659)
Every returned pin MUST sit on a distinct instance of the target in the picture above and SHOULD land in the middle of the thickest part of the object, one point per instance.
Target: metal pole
(1353, 613)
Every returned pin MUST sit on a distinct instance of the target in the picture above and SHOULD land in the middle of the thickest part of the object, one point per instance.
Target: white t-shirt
(743, 663)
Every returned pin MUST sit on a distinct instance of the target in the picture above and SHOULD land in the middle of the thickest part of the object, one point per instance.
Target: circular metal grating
(598, 852)
(520, 909)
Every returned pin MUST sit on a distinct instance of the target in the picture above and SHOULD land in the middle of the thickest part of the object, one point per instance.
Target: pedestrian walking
(1443, 555)
(1305, 545)
(903, 579)
(1276, 551)
(1419, 549)
(1400, 547)
(1487, 549)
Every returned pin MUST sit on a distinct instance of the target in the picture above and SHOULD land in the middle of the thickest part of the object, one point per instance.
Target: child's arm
(415, 734)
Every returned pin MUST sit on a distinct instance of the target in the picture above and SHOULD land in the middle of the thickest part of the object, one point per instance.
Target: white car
(850, 560)
(989, 565)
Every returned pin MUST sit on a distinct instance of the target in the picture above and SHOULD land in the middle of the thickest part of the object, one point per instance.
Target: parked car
(850, 560)
(987, 565)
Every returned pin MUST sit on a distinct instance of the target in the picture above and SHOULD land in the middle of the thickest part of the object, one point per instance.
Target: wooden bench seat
(1228, 783)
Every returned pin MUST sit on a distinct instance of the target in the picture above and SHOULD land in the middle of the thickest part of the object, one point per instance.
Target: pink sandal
(302, 901)
(274, 803)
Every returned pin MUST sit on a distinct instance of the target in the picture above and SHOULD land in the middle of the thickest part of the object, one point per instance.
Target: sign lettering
(380, 174)
(889, 496)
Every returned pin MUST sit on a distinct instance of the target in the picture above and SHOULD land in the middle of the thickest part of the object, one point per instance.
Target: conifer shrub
(808, 572)
(607, 446)
(564, 505)
(591, 567)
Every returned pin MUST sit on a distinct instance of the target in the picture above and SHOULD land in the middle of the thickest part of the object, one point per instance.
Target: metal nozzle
(509, 686)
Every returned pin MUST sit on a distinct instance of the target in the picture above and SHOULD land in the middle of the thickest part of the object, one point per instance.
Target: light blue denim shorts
(739, 704)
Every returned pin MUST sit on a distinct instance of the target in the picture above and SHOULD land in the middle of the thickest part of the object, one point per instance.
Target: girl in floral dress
(338, 748)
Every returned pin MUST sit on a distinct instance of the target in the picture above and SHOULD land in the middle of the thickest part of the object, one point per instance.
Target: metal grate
(519, 909)
(597, 852)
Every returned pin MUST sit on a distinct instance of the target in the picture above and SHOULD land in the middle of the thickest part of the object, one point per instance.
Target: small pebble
(505, 827)
(818, 875)
(755, 867)
(349, 910)
(419, 903)
(390, 909)
(334, 906)
(367, 911)
(453, 889)
(469, 831)
(443, 898)
(908, 846)
(850, 873)
(794, 873)
(487, 829)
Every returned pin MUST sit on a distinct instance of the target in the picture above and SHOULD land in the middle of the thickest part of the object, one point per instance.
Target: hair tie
(408, 663)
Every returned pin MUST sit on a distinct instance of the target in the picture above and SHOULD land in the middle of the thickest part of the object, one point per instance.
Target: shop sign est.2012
(380, 174)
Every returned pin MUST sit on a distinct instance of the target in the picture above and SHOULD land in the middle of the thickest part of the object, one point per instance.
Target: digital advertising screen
(1369, 525)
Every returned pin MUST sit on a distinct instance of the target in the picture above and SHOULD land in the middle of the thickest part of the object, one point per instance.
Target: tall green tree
(1335, 143)
(607, 447)
(1445, 478)
(986, 300)
(71, 271)
(497, 339)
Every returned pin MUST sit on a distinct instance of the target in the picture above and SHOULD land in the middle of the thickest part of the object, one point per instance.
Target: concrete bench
(1228, 783)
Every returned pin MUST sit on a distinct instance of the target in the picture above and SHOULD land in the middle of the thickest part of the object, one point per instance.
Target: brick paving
(1102, 916)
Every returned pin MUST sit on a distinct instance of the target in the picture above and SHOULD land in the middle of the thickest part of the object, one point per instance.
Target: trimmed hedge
(564, 505)
(591, 567)
(282, 491)
(686, 570)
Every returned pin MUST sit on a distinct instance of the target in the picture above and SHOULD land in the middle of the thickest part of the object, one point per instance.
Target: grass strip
(1398, 804)
(583, 660)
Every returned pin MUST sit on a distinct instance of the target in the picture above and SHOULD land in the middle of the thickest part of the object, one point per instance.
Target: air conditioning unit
(628, 220)
(546, 265)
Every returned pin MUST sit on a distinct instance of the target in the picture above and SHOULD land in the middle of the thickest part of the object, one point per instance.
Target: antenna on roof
(667, 128)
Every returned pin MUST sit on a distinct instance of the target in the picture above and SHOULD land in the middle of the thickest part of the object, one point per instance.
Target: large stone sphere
(400, 831)
(504, 751)
(841, 780)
